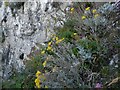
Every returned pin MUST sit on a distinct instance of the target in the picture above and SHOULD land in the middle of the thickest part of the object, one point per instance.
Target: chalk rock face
(22, 28)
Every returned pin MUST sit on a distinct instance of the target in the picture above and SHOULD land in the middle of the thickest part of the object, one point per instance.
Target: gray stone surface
(23, 30)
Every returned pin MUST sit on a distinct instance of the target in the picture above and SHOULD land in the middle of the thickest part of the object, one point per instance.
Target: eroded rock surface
(21, 28)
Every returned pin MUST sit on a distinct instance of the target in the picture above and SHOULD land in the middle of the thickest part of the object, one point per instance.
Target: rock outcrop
(22, 27)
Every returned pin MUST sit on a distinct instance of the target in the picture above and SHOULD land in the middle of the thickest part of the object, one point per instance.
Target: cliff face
(22, 27)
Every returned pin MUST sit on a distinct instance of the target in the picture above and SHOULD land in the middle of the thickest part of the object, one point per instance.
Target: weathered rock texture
(22, 28)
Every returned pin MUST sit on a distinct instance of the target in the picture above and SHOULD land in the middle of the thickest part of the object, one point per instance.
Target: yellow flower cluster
(88, 8)
(71, 10)
(75, 34)
(38, 73)
(59, 40)
(37, 80)
(49, 48)
(56, 38)
(44, 63)
(43, 52)
(50, 43)
(96, 15)
(83, 17)
(94, 11)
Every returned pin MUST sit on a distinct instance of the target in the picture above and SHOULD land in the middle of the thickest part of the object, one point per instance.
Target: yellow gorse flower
(38, 73)
(88, 8)
(94, 11)
(72, 9)
(96, 15)
(37, 80)
(42, 52)
(44, 63)
(49, 48)
(60, 40)
(56, 38)
(75, 34)
(50, 43)
(37, 84)
(83, 17)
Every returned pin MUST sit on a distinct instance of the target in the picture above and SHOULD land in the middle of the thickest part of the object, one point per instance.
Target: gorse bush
(81, 54)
